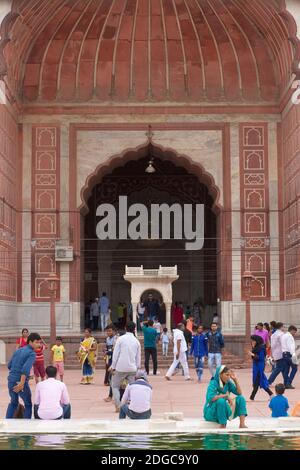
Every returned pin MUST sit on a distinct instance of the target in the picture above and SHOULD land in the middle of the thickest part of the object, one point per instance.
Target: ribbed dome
(151, 50)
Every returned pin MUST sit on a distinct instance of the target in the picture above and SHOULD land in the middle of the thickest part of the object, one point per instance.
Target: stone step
(161, 364)
(227, 358)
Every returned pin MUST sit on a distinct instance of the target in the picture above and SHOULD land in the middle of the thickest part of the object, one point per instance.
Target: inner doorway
(105, 260)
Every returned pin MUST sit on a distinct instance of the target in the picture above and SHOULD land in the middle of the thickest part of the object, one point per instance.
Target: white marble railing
(161, 271)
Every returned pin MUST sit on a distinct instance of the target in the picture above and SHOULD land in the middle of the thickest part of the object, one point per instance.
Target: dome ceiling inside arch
(150, 50)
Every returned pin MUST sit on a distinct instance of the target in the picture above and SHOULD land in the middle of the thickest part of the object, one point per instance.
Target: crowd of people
(99, 314)
(129, 387)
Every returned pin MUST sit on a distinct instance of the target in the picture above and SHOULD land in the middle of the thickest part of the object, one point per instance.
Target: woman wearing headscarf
(258, 355)
(220, 406)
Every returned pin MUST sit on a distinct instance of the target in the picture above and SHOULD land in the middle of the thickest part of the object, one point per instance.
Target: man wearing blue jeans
(288, 353)
(215, 346)
(19, 370)
(199, 350)
(276, 349)
(136, 401)
(103, 309)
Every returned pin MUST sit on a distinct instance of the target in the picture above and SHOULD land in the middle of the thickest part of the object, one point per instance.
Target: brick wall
(8, 204)
(290, 165)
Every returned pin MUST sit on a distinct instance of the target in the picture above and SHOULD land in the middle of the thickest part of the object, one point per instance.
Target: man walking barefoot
(180, 348)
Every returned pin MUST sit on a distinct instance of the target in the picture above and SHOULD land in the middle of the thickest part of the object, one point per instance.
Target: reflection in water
(262, 441)
(232, 441)
(18, 442)
(50, 440)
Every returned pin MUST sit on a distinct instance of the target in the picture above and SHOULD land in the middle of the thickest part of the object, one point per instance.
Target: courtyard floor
(175, 396)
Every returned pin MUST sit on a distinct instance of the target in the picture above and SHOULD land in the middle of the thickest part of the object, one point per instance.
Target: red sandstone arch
(223, 215)
(120, 50)
(179, 160)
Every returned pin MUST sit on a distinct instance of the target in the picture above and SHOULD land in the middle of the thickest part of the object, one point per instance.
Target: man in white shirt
(51, 398)
(276, 351)
(126, 361)
(103, 310)
(141, 312)
(288, 352)
(136, 401)
(180, 348)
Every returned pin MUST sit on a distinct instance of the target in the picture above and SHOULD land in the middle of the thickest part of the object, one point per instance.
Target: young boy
(39, 364)
(165, 340)
(111, 338)
(190, 323)
(157, 327)
(279, 404)
(58, 357)
(199, 350)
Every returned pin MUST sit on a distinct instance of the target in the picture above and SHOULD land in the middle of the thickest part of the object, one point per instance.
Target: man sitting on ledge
(51, 398)
(136, 401)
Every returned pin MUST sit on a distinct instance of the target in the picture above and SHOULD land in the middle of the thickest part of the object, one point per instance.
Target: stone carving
(255, 223)
(45, 160)
(45, 180)
(255, 179)
(254, 160)
(45, 197)
(255, 262)
(46, 137)
(253, 136)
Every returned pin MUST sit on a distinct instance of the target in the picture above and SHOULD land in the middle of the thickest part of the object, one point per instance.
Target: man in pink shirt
(264, 334)
(51, 398)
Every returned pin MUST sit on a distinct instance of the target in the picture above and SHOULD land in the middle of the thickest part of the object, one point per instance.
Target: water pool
(261, 441)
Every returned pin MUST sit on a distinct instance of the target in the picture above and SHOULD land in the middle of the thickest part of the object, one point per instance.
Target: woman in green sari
(219, 406)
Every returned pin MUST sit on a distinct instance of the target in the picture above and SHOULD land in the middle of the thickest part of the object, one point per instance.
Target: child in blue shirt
(279, 404)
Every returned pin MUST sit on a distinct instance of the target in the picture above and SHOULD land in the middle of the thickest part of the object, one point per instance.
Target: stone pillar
(134, 313)
(273, 206)
(2, 353)
(236, 257)
(64, 233)
(26, 214)
(168, 315)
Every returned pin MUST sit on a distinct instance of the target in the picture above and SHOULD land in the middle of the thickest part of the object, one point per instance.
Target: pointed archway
(160, 279)
(177, 176)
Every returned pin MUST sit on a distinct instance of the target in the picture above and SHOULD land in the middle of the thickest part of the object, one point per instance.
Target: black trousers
(255, 389)
(95, 323)
(153, 353)
(107, 375)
